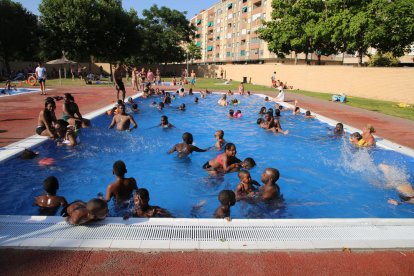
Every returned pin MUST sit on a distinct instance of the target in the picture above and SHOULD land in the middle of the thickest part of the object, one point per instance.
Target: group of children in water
(124, 189)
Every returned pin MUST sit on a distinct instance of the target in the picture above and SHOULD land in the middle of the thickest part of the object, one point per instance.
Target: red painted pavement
(91, 262)
(18, 114)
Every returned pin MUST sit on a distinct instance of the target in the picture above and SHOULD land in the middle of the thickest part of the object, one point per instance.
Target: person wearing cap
(367, 135)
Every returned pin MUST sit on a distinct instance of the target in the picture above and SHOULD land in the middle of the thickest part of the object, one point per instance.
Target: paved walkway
(18, 114)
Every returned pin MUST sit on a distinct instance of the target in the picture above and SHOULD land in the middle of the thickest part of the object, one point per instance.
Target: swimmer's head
(259, 121)
(262, 110)
(270, 174)
(248, 163)
(51, 185)
(181, 107)
(297, 109)
(196, 100)
(97, 209)
(121, 108)
(154, 103)
(370, 128)
(141, 197)
(130, 100)
(308, 113)
(230, 149)
(119, 102)
(231, 112)
(164, 120)
(119, 168)
(266, 99)
(161, 105)
(243, 174)
(270, 111)
(134, 107)
(227, 198)
(339, 128)
(356, 135)
(219, 134)
(188, 138)
(182, 89)
(190, 91)
(28, 154)
(277, 112)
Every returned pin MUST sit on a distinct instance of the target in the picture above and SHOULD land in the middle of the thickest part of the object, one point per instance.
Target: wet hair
(297, 108)
(161, 104)
(308, 113)
(120, 102)
(266, 99)
(262, 110)
(182, 105)
(187, 137)
(273, 173)
(259, 121)
(196, 100)
(220, 133)
(28, 154)
(280, 107)
(229, 145)
(277, 112)
(340, 130)
(227, 197)
(249, 163)
(96, 205)
(130, 99)
(242, 173)
(134, 106)
(182, 89)
(248, 92)
(231, 112)
(142, 193)
(119, 168)
(49, 101)
(51, 185)
(356, 135)
(270, 111)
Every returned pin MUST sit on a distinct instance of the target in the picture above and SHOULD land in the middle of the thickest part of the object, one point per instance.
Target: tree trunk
(360, 55)
(306, 57)
(319, 59)
(110, 72)
(296, 58)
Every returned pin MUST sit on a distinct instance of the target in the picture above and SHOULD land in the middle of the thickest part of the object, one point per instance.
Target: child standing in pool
(270, 190)
(220, 142)
(227, 199)
(186, 147)
(122, 188)
(246, 187)
(222, 162)
(50, 202)
(164, 122)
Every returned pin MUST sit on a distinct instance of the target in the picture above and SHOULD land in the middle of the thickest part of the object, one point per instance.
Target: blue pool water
(17, 91)
(321, 176)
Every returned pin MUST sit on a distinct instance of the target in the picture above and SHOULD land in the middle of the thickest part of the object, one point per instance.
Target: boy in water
(164, 122)
(186, 147)
(50, 202)
(220, 142)
(270, 190)
(227, 199)
(80, 212)
(123, 187)
(144, 210)
(245, 188)
(123, 120)
(339, 129)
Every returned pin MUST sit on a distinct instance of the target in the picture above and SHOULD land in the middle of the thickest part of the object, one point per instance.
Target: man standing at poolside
(41, 77)
(119, 85)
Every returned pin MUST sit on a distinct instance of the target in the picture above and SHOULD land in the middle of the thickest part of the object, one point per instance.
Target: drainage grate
(171, 230)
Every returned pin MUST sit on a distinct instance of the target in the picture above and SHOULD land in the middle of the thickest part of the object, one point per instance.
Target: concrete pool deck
(18, 120)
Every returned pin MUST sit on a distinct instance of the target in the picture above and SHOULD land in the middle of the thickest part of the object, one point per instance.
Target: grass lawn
(385, 107)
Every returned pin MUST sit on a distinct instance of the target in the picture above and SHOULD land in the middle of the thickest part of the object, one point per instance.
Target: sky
(191, 6)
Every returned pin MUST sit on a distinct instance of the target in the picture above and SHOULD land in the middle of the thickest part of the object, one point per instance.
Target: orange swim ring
(32, 81)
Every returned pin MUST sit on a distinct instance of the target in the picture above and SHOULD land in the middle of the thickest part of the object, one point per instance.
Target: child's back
(50, 202)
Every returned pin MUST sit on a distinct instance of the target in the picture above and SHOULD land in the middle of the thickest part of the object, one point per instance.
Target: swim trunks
(40, 80)
(40, 129)
(120, 84)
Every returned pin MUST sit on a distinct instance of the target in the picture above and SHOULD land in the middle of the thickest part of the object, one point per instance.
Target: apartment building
(227, 31)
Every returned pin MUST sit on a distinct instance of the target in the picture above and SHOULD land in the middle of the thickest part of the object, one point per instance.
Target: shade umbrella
(61, 61)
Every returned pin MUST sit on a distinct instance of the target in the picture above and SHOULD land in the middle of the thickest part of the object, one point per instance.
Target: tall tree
(84, 28)
(193, 51)
(164, 31)
(19, 31)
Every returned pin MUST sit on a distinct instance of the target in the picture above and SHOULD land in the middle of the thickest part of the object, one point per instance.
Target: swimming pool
(17, 91)
(321, 176)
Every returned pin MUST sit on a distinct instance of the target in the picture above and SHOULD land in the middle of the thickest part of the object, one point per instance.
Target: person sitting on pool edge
(46, 120)
(164, 122)
(142, 208)
(227, 199)
(246, 186)
(50, 202)
(123, 120)
(270, 190)
(123, 187)
(404, 189)
(221, 162)
(186, 147)
(79, 212)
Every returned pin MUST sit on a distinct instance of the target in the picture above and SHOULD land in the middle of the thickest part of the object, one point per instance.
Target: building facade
(227, 33)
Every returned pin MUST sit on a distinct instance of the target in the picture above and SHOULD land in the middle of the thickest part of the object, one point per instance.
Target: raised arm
(113, 122)
(134, 124)
(174, 148)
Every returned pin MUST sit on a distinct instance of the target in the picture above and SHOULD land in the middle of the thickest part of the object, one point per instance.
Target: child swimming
(186, 147)
(246, 186)
(222, 162)
(122, 188)
(220, 142)
(50, 202)
(142, 208)
(270, 190)
(227, 198)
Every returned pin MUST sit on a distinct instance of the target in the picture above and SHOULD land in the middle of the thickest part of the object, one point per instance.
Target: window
(198, 44)
(198, 21)
(244, 9)
(229, 6)
(210, 48)
(242, 53)
(210, 24)
(228, 54)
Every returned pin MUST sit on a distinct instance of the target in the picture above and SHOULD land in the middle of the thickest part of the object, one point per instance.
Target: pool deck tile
(119, 244)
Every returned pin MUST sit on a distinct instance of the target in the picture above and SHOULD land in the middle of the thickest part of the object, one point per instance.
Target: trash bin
(244, 79)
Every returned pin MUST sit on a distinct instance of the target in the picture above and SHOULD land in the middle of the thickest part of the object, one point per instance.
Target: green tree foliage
(84, 28)
(383, 60)
(194, 51)
(19, 31)
(164, 31)
(332, 26)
